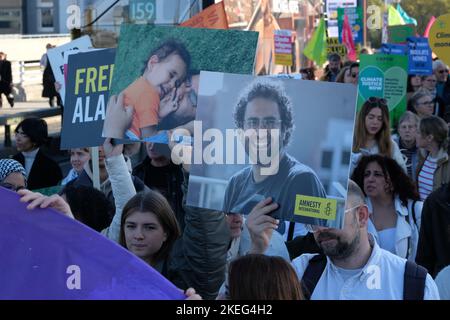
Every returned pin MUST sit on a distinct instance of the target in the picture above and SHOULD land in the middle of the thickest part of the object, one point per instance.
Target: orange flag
(213, 17)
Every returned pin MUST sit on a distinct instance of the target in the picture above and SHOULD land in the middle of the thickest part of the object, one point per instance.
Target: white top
(29, 159)
(426, 177)
(406, 230)
(380, 279)
(387, 239)
(123, 190)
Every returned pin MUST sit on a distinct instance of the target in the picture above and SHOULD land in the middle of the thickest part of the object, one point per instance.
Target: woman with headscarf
(12, 175)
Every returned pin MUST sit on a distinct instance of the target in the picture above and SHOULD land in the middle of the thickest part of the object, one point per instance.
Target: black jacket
(5, 77)
(48, 82)
(44, 173)
(433, 251)
(85, 180)
(199, 257)
(444, 102)
(173, 180)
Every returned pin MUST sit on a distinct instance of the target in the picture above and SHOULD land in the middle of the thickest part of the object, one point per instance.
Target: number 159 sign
(143, 10)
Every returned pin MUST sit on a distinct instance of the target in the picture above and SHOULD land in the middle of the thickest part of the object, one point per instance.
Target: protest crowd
(397, 209)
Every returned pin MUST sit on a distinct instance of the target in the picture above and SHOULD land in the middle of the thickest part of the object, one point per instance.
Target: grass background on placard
(230, 51)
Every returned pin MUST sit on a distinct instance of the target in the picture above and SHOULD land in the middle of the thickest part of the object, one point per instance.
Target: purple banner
(45, 255)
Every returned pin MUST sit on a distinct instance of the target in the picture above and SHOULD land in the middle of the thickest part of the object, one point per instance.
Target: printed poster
(89, 79)
(384, 76)
(283, 47)
(157, 73)
(56, 59)
(298, 158)
(355, 18)
(419, 54)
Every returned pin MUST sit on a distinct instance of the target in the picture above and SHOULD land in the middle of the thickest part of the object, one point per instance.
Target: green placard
(355, 18)
(398, 34)
(384, 76)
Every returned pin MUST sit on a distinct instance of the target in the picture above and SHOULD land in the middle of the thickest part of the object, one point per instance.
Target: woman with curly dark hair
(393, 202)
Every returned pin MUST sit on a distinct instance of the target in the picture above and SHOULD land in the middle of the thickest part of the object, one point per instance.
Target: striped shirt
(426, 175)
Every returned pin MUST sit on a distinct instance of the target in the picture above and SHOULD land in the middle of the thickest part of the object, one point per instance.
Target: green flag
(316, 49)
(405, 16)
(394, 17)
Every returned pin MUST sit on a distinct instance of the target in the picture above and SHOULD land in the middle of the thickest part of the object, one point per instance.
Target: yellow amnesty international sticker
(315, 207)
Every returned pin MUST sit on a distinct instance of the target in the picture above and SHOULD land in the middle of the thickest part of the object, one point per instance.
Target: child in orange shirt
(165, 68)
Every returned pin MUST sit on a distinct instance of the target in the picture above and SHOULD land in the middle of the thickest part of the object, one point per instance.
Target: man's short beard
(341, 250)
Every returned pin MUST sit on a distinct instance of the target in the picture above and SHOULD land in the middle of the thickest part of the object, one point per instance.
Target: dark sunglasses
(443, 71)
(10, 186)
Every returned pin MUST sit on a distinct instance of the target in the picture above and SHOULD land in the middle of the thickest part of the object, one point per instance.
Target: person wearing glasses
(263, 104)
(423, 103)
(393, 203)
(352, 266)
(41, 170)
(354, 72)
(440, 70)
(12, 175)
(373, 133)
(406, 140)
(429, 83)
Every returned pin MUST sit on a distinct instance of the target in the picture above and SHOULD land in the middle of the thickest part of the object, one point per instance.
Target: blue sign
(390, 48)
(419, 56)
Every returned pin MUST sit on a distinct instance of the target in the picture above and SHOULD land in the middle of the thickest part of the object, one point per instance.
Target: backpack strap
(291, 231)
(414, 281)
(312, 274)
(414, 212)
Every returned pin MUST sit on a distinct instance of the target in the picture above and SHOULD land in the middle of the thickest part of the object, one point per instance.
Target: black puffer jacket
(433, 250)
(198, 259)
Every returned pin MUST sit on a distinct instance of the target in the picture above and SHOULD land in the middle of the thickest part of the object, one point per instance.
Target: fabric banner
(316, 49)
(347, 40)
(45, 256)
(213, 17)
